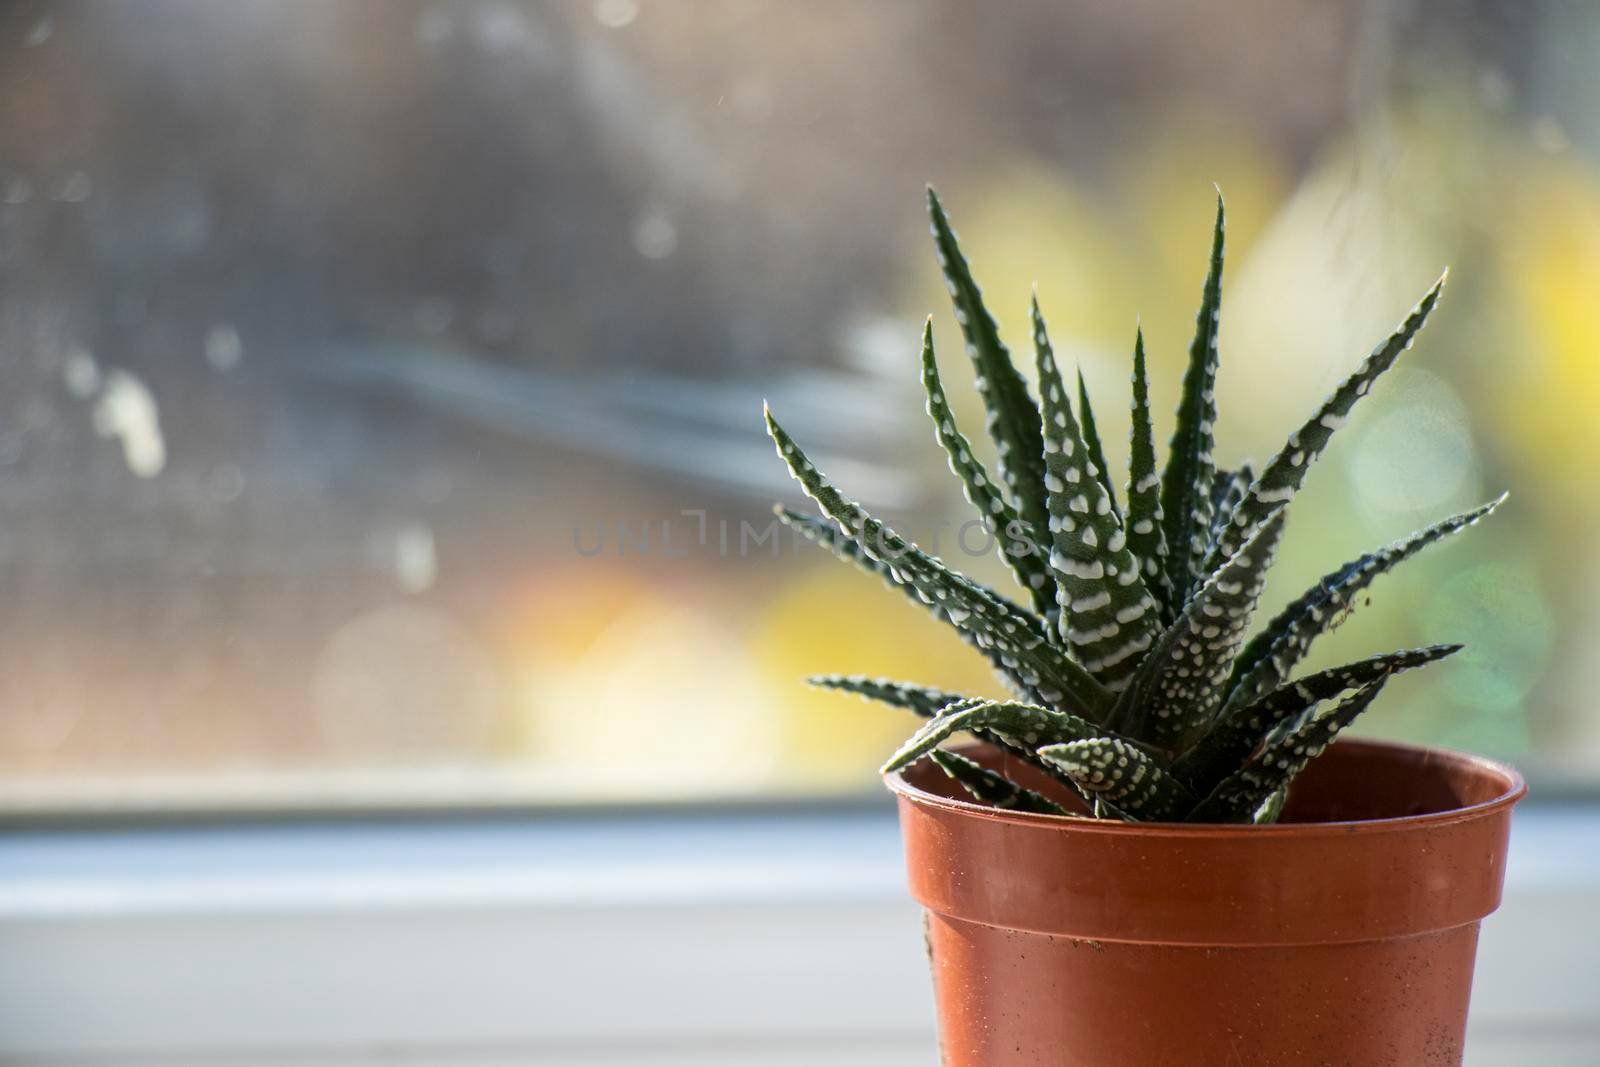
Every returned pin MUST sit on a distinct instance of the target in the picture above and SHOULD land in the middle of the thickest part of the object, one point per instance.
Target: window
(381, 381)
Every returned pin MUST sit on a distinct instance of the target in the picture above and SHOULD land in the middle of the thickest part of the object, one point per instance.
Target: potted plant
(1156, 853)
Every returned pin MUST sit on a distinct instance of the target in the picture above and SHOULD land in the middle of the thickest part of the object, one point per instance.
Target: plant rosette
(1159, 851)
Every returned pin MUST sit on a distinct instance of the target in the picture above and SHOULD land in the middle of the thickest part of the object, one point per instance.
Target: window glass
(380, 382)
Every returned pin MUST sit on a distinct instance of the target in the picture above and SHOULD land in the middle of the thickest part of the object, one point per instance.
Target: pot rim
(1516, 787)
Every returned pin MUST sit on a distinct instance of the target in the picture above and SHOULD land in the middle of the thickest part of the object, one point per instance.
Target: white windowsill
(772, 939)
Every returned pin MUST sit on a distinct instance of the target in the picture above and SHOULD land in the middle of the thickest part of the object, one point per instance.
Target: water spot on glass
(1549, 135)
(615, 14)
(127, 412)
(225, 484)
(40, 32)
(1495, 88)
(416, 561)
(224, 348)
(81, 374)
(655, 237)
(16, 189)
(74, 188)
(506, 30)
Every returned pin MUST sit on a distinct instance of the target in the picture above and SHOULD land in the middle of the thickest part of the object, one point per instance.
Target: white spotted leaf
(1111, 769)
(1013, 417)
(1107, 616)
(1019, 543)
(1282, 477)
(1186, 480)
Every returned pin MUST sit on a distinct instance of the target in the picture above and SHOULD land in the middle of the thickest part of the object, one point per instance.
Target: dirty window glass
(380, 383)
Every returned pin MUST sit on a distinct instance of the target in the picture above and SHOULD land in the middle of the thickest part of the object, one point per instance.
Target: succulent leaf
(1018, 542)
(1179, 685)
(1186, 481)
(820, 531)
(1271, 654)
(1091, 439)
(1013, 417)
(993, 788)
(1025, 726)
(1240, 795)
(1107, 616)
(927, 702)
(1282, 477)
(1112, 769)
(1227, 489)
(923, 700)
(1239, 730)
(1146, 538)
(1015, 636)
(1269, 811)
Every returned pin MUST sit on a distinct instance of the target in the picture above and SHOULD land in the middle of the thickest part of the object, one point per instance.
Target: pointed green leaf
(1180, 685)
(1272, 807)
(1091, 439)
(1269, 657)
(1186, 481)
(923, 700)
(1227, 489)
(927, 702)
(1013, 417)
(1241, 728)
(1146, 539)
(1240, 795)
(1107, 616)
(1018, 542)
(992, 788)
(820, 531)
(1014, 635)
(824, 533)
(1283, 475)
(1110, 768)
(1025, 726)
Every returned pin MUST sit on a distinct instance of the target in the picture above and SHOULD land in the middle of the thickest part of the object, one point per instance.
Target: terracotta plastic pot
(1343, 935)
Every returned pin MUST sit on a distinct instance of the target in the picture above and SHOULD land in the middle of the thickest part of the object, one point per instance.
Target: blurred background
(380, 383)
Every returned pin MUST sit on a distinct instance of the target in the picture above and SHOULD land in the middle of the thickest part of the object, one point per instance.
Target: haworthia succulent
(822, 532)
(1227, 489)
(1239, 730)
(1019, 543)
(1178, 687)
(992, 788)
(1238, 796)
(1186, 481)
(923, 700)
(1013, 417)
(1107, 616)
(1091, 439)
(995, 623)
(1130, 648)
(1282, 477)
(1022, 725)
(1272, 654)
(1111, 768)
(1146, 538)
